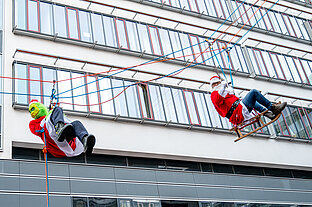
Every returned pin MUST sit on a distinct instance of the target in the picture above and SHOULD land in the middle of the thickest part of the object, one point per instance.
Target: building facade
(136, 73)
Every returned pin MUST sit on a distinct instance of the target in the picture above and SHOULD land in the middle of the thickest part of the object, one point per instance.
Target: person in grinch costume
(63, 137)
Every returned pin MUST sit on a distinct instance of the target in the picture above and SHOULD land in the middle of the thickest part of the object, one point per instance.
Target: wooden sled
(255, 119)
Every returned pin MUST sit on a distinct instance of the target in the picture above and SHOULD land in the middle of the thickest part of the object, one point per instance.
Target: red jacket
(52, 148)
(223, 99)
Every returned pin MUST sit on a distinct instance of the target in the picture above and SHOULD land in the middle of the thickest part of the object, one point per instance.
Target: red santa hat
(215, 79)
(33, 101)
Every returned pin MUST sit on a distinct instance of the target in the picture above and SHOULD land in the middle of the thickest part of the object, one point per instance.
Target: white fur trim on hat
(215, 79)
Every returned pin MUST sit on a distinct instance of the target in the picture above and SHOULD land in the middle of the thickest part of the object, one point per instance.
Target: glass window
(215, 118)
(145, 101)
(218, 9)
(273, 19)
(97, 29)
(193, 5)
(33, 16)
(290, 122)
(217, 54)
(207, 56)
(225, 9)
(191, 107)
(295, 26)
(176, 45)
(288, 25)
(125, 203)
(60, 21)
(145, 203)
(64, 84)
(106, 96)
(155, 40)
(196, 50)
(168, 104)
(133, 36)
(46, 24)
(281, 127)
(211, 9)
(277, 66)
(303, 29)
(119, 97)
(73, 23)
(165, 42)
(306, 121)
(307, 70)
(93, 94)
(79, 99)
(180, 106)
(21, 85)
(202, 7)
(266, 19)
(259, 18)
(102, 202)
(48, 75)
(20, 14)
(298, 122)
(185, 5)
(157, 103)
(268, 64)
(122, 37)
(285, 68)
(132, 100)
(259, 61)
(302, 71)
(202, 109)
(110, 32)
(185, 42)
(80, 202)
(281, 23)
(144, 39)
(34, 83)
(241, 58)
(242, 14)
(85, 26)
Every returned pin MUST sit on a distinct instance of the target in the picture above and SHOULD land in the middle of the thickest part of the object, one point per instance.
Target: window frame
(38, 16)
(78, 23)
(149, 101)
(195, 106)
(29, 82)
(117, 33)
(151, 40)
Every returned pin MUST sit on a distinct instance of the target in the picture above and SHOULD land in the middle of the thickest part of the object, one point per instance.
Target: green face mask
(37, 110)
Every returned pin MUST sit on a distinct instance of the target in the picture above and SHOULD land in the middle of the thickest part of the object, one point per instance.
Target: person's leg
(255, 100)
(57, 116)
(88, 140)
(80, 130)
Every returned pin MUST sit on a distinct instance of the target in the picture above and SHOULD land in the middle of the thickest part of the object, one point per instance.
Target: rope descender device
(53, 99)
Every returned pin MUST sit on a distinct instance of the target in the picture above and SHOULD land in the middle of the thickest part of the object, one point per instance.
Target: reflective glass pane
(281, 23)
(280, 127)
(144, 38)
(191, 107)
(46, 24)
(290, 122)
(132, 100)
(64, 84)
(176, 45)
(156, 99)
(202, 7)
(193, 5)
(295, 26)
(33, 15)
(277, 66)
(133, 36)
(78, 80)
(273, 19)
(250, 13)
(106, 94)
(92, 90)
(301, 70)
(145, 102)
(184, 4)
(72, 18)
(298, 122)
(211, 9)
(215, 118)
(60, 21)
(138, 203)
(125, 203)
(48, 75)
(217, 54)
(303, 29)
(196, 50)
(20, 14)
(168, 104)
(259, 19)
(285, 68)
(288, 25)
(202, 109)
(185, 42)
(307, 69)
(156, 46)
(259, 61)
(21, 85)
(102, 202)
(34, 83)
(266, 19)
(180, 106)
(121, 34)
(268, 64)
(85, 26)
(165, 42)
(97, 29)
(207, 55)
(119, 97)
(110, 32)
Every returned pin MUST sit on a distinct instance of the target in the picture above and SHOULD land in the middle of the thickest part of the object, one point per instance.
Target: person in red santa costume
(63, 137)
(236, 110)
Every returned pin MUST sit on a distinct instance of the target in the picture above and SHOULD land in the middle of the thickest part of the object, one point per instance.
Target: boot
(64, 132)
(88, 142)
(269, 115)
(278, 108)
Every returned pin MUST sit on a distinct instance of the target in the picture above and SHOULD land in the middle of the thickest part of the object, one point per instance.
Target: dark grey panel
(300, 184)
(135, 174)
(244, 181)
(33, 200)
(137, 189)
(10, 167)
(59, 185)
(9, 200)
(181, 191)
(33, 184)
(174, 177)
(61, 170)
(91, 172)
(9, 183)
(93, 187)
(60, 201)
(214, 193)
(32, 168)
